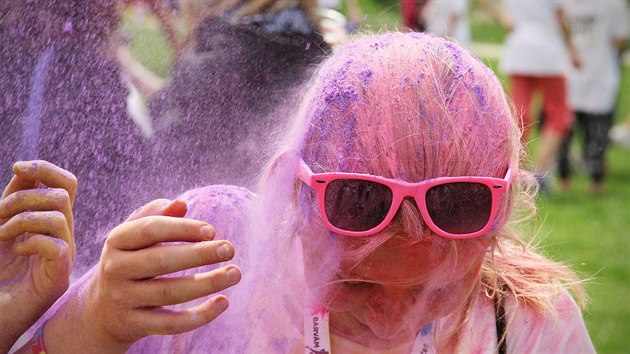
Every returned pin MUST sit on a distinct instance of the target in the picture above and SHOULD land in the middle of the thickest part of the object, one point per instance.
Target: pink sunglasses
(353, 204)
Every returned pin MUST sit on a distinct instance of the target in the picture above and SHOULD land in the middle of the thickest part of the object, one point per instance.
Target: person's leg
(564, 158)
(595, 145)
(521, 89)
(559, 119)
(582, 120)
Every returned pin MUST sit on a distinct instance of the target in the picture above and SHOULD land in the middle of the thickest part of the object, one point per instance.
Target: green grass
(148, 43)
(591, 233)
(380, 15)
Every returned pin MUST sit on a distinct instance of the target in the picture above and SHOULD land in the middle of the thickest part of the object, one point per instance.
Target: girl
(387, 222)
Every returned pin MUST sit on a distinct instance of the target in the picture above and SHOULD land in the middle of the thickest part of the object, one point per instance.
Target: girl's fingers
(44, 172)
(171, 258)
(175, 208)
(152, 230)
(164, 321)
(178, 290)
(55, 252)
(37, 200)
(18, 184)
(154, 207)
(51, 223)
(47, 247)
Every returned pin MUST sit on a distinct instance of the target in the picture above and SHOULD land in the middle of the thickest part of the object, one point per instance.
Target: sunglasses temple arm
(304, 173)
(508, 174)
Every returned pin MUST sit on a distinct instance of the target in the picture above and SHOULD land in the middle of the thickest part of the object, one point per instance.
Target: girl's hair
(415, 107)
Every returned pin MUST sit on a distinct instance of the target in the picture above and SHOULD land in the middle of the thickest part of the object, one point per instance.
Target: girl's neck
(340, 344)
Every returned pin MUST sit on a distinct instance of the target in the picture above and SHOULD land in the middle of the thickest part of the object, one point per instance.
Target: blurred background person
(335, 27)
(536, 56)
(451, 18)
(448, 19)
(222, 102)
(62, 99)
(411, 11)
(354, 15)
(600, 31)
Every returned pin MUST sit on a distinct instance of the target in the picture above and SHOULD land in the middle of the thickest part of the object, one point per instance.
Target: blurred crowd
(563, 60)
(568, 52)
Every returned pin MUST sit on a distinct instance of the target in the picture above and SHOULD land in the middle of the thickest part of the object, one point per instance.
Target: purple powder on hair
(495, 118)
(366, 76)
(380, 45)
(457, 72)
(343, 163)
(479, 95)
(406, 80)
(340, 97)
(348, 132)
(351, 126)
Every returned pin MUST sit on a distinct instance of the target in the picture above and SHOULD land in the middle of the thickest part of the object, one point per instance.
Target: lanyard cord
(499, 311)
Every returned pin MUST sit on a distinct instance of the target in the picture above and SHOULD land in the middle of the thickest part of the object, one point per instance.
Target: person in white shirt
(600, 30)
(536, 56)
(448, 19)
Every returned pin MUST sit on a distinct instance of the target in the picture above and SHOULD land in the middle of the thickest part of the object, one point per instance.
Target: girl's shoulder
(528, 330)
(561, 330)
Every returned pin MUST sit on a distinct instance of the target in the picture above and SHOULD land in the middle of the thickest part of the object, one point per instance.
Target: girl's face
(386, 298)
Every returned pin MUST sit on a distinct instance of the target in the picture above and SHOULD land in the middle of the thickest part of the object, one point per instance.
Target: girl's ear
(280, 174)
(284, 164)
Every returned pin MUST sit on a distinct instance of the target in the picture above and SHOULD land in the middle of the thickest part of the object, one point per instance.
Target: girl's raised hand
(125, 299)
(36, 244)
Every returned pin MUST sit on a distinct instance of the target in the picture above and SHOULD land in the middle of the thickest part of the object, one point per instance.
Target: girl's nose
(377, 300)
(382, 298)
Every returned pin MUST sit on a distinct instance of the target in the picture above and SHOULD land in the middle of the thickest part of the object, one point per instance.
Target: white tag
(316, 332)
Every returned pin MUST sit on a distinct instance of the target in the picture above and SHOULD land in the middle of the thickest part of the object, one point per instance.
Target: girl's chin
(390, 331)
(379, 334)
(379, 340)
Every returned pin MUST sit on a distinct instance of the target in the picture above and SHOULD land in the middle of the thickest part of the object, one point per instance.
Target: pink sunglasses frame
(401, 190)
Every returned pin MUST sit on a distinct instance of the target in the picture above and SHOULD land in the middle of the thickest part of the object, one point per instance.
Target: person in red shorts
(536, 56)
(411, 11)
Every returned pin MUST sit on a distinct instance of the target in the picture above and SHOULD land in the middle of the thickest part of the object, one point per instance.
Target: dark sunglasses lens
(357, 205)
(459, 208)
